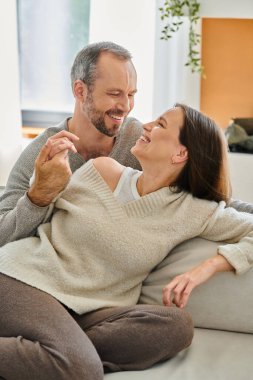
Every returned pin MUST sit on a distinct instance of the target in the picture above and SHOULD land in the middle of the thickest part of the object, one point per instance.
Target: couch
(222, 309)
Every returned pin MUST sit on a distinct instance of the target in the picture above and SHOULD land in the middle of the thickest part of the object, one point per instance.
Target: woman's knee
(180, 329)
(171, 324)
(165, 330)
(142, 336)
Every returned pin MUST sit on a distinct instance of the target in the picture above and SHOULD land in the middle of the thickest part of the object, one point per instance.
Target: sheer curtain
(130, 23)
(174, 81)
(10, 115)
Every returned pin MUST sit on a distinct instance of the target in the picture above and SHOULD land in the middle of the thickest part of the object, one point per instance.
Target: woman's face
(160, 138)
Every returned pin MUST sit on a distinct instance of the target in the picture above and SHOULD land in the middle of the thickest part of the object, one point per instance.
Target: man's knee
(75, 366)
(76, 360)
(85, 367)
(35, 361)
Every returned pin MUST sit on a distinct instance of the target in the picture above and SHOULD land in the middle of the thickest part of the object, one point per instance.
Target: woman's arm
(179, 289)
(235, 228)
(224, 224)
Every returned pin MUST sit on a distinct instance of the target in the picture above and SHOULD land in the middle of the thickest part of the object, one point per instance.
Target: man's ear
(181, 156)
(80, 90)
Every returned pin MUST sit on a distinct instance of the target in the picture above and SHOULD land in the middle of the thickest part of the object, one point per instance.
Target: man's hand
(52, 170)
(179, 289)
(61, 141)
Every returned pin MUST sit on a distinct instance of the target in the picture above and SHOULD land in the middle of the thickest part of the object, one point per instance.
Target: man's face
(112, 96)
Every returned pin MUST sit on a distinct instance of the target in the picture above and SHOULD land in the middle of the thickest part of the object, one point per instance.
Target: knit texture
(19, 217)
(97, 251)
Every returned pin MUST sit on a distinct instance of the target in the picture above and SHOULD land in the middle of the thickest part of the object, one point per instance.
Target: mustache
(116, 112)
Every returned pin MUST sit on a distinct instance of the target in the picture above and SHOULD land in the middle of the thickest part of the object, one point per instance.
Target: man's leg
(134, 338)
(39, 340)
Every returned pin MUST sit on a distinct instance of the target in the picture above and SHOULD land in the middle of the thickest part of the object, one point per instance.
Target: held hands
(62, 141)
(52, 170)
(179, 289)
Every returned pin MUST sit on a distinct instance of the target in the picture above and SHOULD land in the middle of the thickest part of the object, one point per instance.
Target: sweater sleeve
(130, 131)
(241, 205)
(235, 228)
(19, 217)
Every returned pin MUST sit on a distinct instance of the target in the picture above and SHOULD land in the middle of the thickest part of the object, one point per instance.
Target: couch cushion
(224, 302)
(212, 355)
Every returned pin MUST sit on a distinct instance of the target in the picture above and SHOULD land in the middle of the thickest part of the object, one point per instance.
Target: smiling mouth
(116, 117)
(145, 139)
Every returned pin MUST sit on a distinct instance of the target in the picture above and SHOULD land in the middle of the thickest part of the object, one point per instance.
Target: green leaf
(177, 9)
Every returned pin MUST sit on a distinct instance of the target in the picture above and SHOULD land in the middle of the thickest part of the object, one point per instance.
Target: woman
(111, 227)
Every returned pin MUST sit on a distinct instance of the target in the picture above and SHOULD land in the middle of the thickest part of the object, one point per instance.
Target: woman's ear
(181, 156)
(80, 90)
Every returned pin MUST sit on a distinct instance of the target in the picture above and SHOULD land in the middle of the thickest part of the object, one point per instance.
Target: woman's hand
(179, 289)
(62, 141)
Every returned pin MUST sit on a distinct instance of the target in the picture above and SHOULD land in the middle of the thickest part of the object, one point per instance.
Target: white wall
(10, 118)
(174, 82)
(241, 176)
(227, 8)
(130, 23)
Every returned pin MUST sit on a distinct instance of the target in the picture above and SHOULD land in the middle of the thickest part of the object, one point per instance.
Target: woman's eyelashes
(159, 125)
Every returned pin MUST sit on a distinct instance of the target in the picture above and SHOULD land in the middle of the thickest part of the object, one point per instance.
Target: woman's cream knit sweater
(97, 251)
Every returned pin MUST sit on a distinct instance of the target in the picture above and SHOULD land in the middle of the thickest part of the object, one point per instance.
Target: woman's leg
(39, 340)
(134, 338)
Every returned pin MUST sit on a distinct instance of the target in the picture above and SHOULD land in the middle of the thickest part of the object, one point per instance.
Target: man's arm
(19, 217)
(130, 132)
(52, 170)
(21, 213)
(241, 206)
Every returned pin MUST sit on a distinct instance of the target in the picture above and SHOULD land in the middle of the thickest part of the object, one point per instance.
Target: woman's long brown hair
(205, 174)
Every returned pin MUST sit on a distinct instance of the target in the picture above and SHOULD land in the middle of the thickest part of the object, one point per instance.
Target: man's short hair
(84, 66)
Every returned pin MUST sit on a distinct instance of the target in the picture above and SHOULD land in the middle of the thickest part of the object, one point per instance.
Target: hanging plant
(171, 14)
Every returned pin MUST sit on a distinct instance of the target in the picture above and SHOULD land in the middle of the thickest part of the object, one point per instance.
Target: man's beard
(97, 117)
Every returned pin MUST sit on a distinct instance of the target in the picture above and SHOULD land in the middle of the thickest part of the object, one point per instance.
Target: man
(104, 84)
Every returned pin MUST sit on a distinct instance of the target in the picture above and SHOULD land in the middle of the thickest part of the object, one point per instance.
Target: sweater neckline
(139, 207)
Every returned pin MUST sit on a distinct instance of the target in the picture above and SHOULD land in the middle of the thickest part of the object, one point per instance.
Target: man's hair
(84, 66)
(205, 174)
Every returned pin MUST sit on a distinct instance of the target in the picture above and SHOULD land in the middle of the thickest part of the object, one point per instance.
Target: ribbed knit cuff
(235, 257)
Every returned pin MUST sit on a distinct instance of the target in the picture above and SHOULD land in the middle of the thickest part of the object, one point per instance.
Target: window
(50, 35)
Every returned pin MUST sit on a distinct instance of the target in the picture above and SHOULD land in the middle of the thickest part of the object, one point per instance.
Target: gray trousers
(40, 339)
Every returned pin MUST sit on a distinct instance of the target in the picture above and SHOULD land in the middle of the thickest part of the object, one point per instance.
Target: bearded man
(104, 84)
